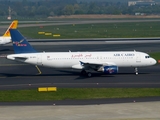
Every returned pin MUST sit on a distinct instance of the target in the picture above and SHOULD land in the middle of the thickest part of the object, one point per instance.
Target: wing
(92, 65)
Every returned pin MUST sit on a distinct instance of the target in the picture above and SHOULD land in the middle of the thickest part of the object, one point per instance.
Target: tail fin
(13, 25)
(20, 44)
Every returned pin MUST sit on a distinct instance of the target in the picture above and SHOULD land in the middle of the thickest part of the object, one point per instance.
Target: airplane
(106, 62)
(6, 38)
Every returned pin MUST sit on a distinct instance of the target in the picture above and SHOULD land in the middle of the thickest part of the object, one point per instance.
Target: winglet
(20, 44)
(13, 25)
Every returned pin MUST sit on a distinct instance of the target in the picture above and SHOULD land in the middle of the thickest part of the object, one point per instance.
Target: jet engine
(109, 69)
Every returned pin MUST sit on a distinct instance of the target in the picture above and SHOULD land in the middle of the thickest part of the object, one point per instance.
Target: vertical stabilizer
(13, 25)
(20, 44)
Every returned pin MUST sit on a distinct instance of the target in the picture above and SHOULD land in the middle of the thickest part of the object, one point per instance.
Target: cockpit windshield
(147, 56)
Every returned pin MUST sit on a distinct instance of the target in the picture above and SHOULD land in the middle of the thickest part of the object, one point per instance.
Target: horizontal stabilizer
(21, 58)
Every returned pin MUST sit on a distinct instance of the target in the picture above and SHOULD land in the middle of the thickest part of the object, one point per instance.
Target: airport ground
(122, 111)
(14, 74)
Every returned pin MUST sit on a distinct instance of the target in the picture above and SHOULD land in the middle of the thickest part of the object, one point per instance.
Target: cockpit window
(147, 56)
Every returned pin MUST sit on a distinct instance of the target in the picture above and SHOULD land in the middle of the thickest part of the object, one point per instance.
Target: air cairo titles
(124, 54)
(115, 55)
(81, 55)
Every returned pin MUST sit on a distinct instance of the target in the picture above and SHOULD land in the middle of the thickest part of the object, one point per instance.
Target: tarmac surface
(121, 111)
(26, 77)
(81, 21)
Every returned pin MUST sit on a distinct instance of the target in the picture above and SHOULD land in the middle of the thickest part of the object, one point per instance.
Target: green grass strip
(76, 93)
(155, 55)
(95, 30)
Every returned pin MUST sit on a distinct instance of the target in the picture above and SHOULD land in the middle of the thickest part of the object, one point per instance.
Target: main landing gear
(136, 70)
(84, 73)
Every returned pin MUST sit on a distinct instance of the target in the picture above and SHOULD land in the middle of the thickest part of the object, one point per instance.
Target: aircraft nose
(153, 61)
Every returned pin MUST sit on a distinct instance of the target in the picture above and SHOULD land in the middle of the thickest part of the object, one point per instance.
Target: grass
(155, 55)
(77, 93)
(102, 30)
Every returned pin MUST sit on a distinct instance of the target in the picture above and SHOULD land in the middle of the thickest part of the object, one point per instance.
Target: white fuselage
(5, 40)
(72, 59)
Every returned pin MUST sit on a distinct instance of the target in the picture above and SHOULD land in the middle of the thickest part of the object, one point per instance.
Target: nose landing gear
(136, 70)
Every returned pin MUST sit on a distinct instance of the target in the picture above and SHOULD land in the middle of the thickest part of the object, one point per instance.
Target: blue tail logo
(20, 44)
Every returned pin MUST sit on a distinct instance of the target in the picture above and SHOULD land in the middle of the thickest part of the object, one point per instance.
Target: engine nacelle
(109, 69)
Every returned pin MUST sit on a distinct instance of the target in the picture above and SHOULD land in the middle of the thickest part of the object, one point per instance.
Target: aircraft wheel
(83, 72)
(89, 74)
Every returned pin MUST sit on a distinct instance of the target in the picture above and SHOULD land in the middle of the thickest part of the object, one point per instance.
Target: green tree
(68, 10)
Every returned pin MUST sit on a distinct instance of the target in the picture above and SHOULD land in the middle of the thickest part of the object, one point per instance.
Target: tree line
(45, 8)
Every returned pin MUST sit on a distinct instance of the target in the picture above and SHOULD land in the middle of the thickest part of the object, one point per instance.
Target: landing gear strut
(39, 71)
(136, 70)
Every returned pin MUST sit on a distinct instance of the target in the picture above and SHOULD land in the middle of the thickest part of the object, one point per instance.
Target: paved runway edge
(83, 102)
